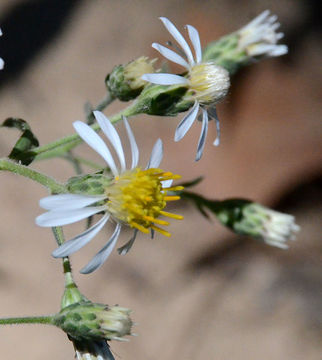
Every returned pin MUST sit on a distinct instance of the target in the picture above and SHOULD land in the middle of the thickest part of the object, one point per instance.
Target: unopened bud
(252, 219)
(125, 83)
(89, 321)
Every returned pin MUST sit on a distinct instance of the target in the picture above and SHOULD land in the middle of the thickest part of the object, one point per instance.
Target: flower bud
(95, 322)
(252, 219)
(125, 83)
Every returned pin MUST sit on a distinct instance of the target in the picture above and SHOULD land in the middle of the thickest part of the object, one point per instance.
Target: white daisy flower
(207, 83)
(1, 60)
(133, 197)
(259, 37)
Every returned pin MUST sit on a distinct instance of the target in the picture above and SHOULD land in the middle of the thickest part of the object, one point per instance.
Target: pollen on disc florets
(137, 198)
(208, 82)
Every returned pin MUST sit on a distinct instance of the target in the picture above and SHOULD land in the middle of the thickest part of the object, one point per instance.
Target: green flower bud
(164, 100)
(94, 184)
(125, 83)
(252, 219)
(95, 322)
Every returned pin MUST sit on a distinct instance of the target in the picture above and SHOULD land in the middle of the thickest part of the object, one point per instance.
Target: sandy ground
(205, 293)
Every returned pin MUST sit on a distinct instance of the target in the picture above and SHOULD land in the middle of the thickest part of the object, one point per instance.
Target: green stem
(48, 182)
(105, 102)
(87, 162)
(75, 162)
(61, 146)
(108, 99)
(28, 320)
(71, 294)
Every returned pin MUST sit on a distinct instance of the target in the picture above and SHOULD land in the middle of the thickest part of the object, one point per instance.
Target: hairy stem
(48, 320)
(71, 294)
(61, 146)
(48, 182)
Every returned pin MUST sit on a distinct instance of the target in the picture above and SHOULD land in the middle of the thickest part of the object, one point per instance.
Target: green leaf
(193, 182)
(22, 150)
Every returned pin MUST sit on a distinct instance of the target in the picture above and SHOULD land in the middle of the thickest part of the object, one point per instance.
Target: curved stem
(48, 320)
(61, 146)
(48, 182)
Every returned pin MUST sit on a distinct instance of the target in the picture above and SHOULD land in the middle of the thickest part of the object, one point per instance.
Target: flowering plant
(136, 196)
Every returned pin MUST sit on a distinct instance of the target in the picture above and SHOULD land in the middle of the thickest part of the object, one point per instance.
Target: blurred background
(205, 293)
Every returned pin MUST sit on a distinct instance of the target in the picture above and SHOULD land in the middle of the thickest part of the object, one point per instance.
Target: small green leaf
(22, 150)
(193, 182)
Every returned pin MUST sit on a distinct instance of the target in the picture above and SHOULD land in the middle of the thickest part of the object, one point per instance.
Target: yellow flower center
(137, 198)
(209, 82)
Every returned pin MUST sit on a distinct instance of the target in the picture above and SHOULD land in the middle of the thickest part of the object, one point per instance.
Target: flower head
(248, 218)
(259, 37)
(125, 82)
(1, 60)
(133, 197)
(207, 82)
(89, 321)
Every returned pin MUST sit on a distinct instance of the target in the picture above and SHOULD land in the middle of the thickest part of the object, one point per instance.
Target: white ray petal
(179, 38)
(166, 183)
(1, 64)
(195, 40)
(258, 19)
(111, 133)
(279, 50)
(186, 122)
(261, 49)
(203, 135)
(165, 79)
(171, 55)
(156, 155)
(72, 245)
(123, 250)
(69, 201)
(103, 254)
(212, 112)
(134, 147)
(96, 143)
(60, 218)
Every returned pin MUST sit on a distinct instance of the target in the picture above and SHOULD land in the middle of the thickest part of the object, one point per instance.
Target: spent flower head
(259, 37)
(255, 220)
(1, 60)
(207, 82)
(132, 197)
(255, 41)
